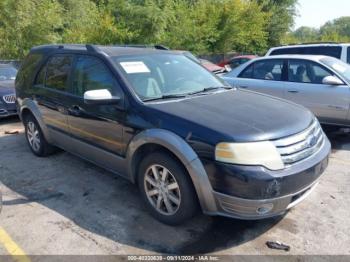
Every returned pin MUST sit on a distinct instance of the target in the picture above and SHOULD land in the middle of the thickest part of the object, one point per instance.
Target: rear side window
(91, 73)
(348, 56)
(333, 51)
(57, 72)
(266, 70)
(26, 72)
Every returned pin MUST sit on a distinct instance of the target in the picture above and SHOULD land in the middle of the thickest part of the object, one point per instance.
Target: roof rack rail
(311, 43)
(92, 48)
(160, 47)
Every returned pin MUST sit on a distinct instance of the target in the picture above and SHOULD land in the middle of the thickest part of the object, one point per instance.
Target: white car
(320, 83)
(339, 51)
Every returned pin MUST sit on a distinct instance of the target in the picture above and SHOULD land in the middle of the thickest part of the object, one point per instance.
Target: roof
(307, 57)
(7, 65)
(311, 44)
(245, 56)
(109, 50)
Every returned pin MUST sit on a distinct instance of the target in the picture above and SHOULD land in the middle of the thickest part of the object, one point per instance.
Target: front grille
(9, 99)
(301, 146)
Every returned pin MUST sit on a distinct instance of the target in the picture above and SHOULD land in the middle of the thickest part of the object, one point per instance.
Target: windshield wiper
(208, 89)
(164, 97)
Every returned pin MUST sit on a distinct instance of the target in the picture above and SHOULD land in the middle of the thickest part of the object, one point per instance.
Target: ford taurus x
(167, 124)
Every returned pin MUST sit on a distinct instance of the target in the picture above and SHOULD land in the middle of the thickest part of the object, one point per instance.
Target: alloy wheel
(162, 190)
(33, 136)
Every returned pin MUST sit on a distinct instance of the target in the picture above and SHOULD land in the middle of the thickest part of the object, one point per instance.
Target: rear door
(50, 92)
(264, 76)
(304, 86)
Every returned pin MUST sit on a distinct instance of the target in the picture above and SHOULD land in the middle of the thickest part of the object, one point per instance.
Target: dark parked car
(236, 61)
(7, 90)
(165, 123)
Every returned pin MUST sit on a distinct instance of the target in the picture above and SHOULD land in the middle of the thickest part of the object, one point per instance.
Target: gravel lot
(64, 205)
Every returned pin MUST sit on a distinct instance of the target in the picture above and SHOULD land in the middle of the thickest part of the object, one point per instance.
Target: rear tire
(166, 189)
(35, 138)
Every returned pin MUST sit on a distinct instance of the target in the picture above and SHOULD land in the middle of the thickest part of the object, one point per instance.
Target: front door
(304, 86)
(96, 128)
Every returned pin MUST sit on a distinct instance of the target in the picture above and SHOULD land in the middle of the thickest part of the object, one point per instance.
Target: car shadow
(104, 204)
(339, 138)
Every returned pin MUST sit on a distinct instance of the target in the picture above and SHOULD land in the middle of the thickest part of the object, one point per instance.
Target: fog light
(264, 209)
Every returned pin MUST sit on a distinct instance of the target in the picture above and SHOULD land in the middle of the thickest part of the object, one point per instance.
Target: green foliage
(337, 30)
(27, 23)
(201, 26)
(282, 13)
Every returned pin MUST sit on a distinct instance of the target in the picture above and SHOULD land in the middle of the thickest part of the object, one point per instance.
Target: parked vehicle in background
(236, 61)
(212, 67)
(320, 83)
(165, 123)
(15, 63)
(7, 91)
(339, 51)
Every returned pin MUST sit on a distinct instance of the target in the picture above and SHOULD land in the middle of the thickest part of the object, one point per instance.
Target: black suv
(165, 123)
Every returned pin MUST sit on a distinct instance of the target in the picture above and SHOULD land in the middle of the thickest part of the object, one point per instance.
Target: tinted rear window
(25, 74)
(348, 56)
(333, 51)
(57, 72)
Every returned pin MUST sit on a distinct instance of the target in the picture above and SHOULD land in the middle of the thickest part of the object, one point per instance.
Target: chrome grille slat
(300, 146)
(9, 99)
(290, 159)
(296, 138)
(287, 150)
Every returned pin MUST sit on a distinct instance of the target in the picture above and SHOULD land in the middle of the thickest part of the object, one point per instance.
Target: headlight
(255, 153)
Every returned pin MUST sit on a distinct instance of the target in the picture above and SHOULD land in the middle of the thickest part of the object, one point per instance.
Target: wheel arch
(160, 139)
(28, 107)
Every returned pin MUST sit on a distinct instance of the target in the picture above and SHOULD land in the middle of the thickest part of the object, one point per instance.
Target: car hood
(7, 87)
(238, 115)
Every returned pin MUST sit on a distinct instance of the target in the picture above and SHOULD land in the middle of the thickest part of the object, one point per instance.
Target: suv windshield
(155, 76)
(7, 73)
(340, 67)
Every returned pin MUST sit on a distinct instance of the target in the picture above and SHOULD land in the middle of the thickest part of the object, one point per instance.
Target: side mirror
(100, 97)
(332, 80)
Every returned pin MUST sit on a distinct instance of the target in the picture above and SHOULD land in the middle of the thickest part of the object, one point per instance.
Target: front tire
(166, 189)
(35, 138)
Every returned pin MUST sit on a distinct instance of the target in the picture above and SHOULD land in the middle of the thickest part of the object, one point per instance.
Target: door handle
(75, 110)
(293, 91)
(337, 107)
(242, 87)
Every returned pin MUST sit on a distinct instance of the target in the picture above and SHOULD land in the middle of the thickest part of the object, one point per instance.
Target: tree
(282, 13)
(26, 23)
(336, 30)
(306, 34)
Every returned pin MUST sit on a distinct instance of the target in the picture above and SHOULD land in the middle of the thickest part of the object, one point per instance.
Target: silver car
(320, 83)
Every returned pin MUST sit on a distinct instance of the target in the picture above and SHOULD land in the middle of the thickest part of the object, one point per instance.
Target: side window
(57, 74)
(303, 71)
(40, 77)
(248, 72)
(90, 73)
(26, 72)
(348, 56)
(268, 70)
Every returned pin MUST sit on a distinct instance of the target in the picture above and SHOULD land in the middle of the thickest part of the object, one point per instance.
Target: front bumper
(248, 192)
(7, 109)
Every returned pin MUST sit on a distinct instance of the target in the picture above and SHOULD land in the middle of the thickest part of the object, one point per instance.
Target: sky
(315, 13)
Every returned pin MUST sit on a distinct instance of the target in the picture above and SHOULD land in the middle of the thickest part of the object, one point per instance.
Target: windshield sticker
(339, 68)
(135, 67)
